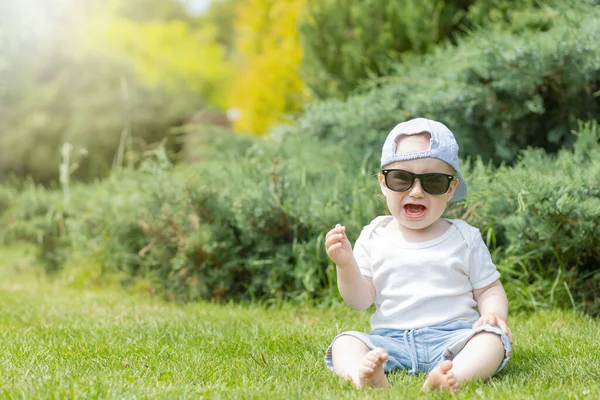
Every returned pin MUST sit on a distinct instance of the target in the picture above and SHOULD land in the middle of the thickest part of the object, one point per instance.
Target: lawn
(60, 340)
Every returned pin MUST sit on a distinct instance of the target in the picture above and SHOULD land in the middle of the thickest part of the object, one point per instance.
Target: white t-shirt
(424, 284)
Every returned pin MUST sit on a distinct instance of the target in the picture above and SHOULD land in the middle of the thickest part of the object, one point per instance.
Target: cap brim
(461, 190)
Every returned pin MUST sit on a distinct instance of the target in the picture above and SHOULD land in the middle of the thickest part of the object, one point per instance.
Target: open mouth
(414, 211)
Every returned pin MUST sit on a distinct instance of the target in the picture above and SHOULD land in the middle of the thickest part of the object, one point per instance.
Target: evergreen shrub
(36, 215)
(245, 225)
(541, 218)
(248, 221)
(345, 41)
(499, 91)
(252, 226)
(555, 218)
(7, 196)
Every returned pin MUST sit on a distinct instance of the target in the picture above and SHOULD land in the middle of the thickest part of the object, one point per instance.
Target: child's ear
(452, 188)
(381, 182)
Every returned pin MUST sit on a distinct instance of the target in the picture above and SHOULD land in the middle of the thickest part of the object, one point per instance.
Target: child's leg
(353, 360)
(480, 358)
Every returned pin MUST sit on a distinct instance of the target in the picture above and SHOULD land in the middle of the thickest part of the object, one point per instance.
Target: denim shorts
(421, 350)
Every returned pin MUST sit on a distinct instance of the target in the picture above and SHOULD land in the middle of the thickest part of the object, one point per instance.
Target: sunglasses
(434, 183)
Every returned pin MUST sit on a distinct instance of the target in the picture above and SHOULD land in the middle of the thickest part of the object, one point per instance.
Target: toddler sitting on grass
(425, 274)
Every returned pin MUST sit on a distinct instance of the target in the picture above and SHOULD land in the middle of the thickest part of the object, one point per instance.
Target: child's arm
(493, 306)
(356, 290)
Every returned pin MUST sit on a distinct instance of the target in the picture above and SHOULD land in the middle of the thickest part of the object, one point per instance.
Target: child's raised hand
(338, 246)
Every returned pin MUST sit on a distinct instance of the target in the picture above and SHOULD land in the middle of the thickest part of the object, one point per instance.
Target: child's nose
(416, 189)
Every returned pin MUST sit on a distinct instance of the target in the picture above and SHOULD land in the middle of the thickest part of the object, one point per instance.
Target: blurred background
(95, 73)
(207, 146)
(103, 74)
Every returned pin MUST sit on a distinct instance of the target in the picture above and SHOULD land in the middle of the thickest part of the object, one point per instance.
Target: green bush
(244, 228)
(345, 42)
(36, 215)
(248, 220)
(499, 91)
(7, 197)
(251, 225)
(542, 218)
(556, 218)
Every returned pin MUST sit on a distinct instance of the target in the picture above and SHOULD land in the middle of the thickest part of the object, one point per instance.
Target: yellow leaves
(267, 82)
(171, 54)
(258, 77)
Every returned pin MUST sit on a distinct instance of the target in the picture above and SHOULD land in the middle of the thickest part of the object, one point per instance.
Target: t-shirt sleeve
(482, 269)
(362, 254)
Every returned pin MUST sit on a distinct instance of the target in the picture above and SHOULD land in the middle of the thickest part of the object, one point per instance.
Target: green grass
(60, 341)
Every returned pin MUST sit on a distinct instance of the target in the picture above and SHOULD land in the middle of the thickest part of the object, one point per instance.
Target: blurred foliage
(172, 55)
(116, 77)
(526, 15)
(267, 84)
(92, 74)
(252, 227)
(221, 15)
(545, 213)
(346, 41)
(145, 10)
(500, 91)
(247, 220)
(8, 194)
(72, 107)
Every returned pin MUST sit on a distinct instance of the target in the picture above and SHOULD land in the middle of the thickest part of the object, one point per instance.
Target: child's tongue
(414, 209)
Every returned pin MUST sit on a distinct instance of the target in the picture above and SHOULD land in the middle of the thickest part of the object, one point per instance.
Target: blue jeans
(421, 350)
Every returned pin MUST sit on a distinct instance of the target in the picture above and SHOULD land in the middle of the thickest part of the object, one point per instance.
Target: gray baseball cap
(442, 146)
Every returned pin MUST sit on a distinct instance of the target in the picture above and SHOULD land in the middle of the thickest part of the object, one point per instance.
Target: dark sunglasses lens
(399, 181)
(435, 183)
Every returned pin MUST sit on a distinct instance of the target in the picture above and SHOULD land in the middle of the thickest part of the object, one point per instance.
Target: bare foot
(441, 378)
(371, 372)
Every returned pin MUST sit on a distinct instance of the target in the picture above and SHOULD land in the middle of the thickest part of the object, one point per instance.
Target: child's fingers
(336, 253)
(334, 238)
(334, 247)
(334, 231)
(479, 322)
(338, 229)
(492, 320)
(331, 240)
(484, 320)
(505, 329)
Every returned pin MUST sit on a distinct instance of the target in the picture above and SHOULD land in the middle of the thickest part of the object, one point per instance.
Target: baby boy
(425, 274)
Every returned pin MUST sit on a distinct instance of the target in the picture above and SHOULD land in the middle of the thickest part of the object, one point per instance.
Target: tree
(267, 84)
